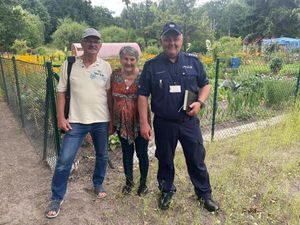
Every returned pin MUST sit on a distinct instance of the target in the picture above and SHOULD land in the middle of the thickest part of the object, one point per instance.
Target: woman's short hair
(128, 50)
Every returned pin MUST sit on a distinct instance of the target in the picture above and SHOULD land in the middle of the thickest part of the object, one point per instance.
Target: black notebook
(189, 98)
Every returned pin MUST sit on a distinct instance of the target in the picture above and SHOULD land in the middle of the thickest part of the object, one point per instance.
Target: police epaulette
(152, 59)
(192, 55)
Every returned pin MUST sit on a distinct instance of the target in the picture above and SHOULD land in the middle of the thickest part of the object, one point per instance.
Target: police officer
(165, 78)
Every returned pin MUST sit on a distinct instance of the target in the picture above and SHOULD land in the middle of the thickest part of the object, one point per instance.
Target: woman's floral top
(125, 107)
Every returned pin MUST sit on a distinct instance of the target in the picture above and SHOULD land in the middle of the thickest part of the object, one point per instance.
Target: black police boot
(209, 204)
(165, 200)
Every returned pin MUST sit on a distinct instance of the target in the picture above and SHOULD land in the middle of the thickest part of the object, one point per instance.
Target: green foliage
(10, 22)
(227, 47)
(276, 65)
(19, 46)
(114, 34)
(277, 92)
(152, 50)
(102, 17)
(246, 97)
(36, 7)
(67, 33)
(32, 30)
(114, 142)
(80, 11)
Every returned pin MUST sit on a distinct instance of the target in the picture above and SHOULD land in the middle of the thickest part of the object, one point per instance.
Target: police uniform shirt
(166, 82)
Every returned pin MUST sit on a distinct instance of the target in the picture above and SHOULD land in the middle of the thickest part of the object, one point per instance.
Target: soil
(25, 185)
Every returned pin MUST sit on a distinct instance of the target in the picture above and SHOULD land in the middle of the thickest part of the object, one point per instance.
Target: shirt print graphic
(98, 75)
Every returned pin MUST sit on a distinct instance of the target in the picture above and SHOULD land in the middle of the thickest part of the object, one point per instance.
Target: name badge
(175, 88)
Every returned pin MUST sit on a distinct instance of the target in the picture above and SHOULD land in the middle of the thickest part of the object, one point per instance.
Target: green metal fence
(251, 95)
(241, 99)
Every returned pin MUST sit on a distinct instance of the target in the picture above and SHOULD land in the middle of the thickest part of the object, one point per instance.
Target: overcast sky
(117, 5)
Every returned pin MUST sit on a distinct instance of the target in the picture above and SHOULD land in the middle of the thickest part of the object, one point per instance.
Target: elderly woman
(124, 86)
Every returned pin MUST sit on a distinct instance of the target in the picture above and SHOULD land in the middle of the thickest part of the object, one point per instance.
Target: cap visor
(171, 32)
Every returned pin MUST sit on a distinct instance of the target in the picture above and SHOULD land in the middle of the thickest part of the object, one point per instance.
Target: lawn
(255, 179)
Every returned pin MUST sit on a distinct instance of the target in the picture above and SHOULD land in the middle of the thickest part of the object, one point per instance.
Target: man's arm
(60, 107)
(202, 96)
(145, 127)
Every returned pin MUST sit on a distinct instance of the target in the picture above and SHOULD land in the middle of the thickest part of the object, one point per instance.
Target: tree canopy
(143, 21)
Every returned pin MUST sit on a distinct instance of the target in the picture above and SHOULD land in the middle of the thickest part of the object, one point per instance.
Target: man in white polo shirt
(89, 113)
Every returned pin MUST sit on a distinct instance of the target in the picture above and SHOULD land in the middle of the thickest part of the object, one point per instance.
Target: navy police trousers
(187, 131)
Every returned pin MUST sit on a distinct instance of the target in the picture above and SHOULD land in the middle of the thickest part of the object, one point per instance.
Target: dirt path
(24, 181)
(25, 186)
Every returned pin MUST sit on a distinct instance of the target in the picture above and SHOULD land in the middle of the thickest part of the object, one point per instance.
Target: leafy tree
(114, 34)
(215, 12)
(195, 23)
(10, 21)
(272, 17)
(68, 32)
(140, 17)
(77, 10)
(227, 47)
(102, 17)
(36, 7)
(32, 29)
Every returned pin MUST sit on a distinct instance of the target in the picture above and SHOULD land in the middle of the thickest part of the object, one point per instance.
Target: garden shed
(285, 43)
(108, 50)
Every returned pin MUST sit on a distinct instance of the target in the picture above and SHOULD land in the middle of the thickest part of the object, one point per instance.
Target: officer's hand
(195, 108)
(145, 130)
(64, 124)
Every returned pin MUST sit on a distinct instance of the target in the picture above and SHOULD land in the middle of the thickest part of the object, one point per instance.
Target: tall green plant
(277, 92)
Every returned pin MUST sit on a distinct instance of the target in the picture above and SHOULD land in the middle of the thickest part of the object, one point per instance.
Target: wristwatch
(202, 104)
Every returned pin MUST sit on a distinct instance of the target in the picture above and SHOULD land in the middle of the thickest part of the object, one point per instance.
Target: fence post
(4, 81)
(46, 119)
(297, 86)
(18, 90)
(215, 103)
(53, 107)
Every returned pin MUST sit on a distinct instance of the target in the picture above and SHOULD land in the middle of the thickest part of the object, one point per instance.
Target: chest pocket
(161, 81)
(190, 79)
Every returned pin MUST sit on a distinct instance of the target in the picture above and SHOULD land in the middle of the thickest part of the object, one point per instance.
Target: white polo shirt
(88, 91)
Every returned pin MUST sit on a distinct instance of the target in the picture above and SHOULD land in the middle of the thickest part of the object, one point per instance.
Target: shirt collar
(178, 60)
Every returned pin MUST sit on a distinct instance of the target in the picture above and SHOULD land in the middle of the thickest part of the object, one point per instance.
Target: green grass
(255, 178)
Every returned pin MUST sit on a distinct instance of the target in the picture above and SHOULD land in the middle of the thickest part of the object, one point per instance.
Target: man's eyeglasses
(92, 41)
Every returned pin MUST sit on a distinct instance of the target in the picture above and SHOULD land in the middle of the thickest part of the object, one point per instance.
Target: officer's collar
(179, 57)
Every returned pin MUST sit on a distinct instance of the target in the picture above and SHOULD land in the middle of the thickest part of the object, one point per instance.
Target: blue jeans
(70, 146)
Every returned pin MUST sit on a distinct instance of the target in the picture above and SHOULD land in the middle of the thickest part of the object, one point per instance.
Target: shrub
(152, 50)
(276, 64)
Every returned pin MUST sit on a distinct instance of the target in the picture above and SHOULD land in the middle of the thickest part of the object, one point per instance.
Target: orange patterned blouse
(125, 108)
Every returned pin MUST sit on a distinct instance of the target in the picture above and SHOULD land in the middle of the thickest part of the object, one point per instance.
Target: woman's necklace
(128, 80)
(126, 83)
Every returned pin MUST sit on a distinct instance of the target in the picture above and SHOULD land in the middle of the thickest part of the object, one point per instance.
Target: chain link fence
(244, 96)
(250, 94)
